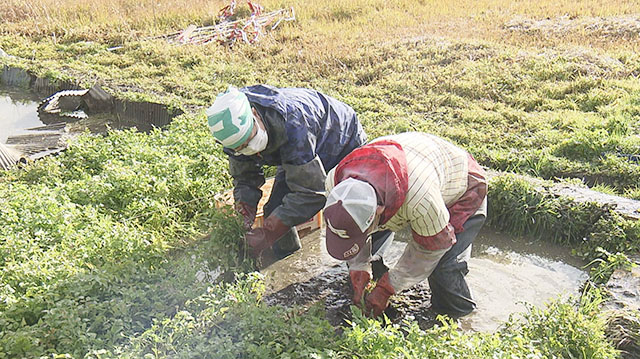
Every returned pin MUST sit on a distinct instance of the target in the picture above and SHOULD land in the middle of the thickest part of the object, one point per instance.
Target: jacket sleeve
(247, 179)
(307, 195)
(432, 236)
(415, 265)
(362, 260)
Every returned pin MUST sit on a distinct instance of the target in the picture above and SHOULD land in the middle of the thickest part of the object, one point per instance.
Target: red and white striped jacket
(423, 182)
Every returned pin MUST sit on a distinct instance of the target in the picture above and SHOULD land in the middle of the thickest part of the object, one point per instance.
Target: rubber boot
(287, 244)
(449, 291)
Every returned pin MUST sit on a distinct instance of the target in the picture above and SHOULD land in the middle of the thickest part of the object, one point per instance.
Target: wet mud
(330, 288)
(624, 289)
(504, 274)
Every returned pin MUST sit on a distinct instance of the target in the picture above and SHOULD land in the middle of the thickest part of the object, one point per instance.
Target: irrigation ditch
(504, 272)
(52, 111)
(510, 265)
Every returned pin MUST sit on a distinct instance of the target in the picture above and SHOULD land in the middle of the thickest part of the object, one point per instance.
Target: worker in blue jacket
(301, 131)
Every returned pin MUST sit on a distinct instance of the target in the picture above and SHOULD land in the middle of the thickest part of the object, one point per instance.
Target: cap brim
(344, 249)
(350, 242)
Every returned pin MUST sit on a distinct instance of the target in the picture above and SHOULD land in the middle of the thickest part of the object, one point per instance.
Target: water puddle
(32, 128)
(504, 274)
(29, 132)
(18, 112)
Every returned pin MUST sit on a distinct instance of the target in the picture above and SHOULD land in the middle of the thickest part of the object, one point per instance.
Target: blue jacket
(309, 133)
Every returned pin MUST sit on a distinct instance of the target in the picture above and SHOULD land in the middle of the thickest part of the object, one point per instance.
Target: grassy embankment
(521, 101)
(93, 236)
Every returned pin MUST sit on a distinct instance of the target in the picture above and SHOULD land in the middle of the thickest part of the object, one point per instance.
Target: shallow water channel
(18, 112)
(29, 132)
(504, 273)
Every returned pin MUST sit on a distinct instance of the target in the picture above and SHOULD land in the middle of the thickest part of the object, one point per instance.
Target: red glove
(359, 281)
(378, 299)
(262, 238)
(248, 212)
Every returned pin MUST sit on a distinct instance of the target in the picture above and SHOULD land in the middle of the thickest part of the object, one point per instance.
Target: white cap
(358, 199)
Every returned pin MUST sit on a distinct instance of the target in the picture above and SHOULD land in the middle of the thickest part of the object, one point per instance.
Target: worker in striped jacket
(417, 180)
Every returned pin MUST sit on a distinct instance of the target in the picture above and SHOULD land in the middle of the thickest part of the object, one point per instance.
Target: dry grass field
(342, 24)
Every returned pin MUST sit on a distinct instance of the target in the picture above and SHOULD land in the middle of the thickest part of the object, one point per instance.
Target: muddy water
(19, 116)
(31, 134)
(18, 112)
(504, 273)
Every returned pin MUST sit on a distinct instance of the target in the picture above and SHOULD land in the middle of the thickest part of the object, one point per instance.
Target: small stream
(503, 274)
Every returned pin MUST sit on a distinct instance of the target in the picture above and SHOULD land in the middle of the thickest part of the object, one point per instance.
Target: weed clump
(520, 208)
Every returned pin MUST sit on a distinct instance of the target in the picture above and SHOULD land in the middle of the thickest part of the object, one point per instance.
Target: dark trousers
(449, 291)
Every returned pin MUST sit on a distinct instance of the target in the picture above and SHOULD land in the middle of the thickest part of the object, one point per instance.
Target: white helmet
(230, 118)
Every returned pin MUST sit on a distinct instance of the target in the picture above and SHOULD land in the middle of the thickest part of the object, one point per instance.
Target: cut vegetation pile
(101, 246)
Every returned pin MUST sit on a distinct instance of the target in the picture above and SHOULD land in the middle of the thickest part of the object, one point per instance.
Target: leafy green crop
(230, 321)
(89, 236)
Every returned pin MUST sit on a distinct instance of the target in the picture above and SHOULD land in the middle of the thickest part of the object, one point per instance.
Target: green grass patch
(552, 113)
(521, 208)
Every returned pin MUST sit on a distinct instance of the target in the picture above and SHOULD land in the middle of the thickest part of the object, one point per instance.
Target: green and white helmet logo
(230, 118)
